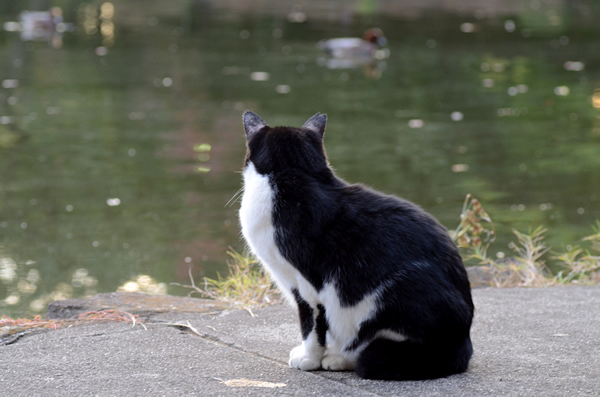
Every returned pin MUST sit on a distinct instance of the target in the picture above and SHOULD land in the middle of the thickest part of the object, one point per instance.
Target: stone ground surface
(527, 342)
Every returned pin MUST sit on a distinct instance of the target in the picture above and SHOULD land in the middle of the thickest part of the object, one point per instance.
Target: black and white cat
(380, 287)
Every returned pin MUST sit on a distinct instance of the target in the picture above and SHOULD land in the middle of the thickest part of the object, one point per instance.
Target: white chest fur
(259, 232)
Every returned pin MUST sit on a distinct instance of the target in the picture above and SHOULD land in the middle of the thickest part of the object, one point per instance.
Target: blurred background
(121, 139)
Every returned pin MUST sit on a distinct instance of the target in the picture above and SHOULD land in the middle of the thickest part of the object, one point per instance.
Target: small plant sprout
(595, 238)
(476, 230)
(581, 267)
(526, 269)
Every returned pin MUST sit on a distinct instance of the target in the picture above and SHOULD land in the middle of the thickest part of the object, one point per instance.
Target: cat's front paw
(300, 359)
(335, 362)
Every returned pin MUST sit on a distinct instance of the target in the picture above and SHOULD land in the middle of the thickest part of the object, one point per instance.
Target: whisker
(235, 197)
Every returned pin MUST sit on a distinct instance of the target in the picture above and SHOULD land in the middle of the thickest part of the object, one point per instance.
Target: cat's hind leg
(392, 360)
(334, 358)
(307, 356)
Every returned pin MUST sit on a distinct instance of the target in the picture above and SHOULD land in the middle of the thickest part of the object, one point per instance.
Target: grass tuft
(527, 268)
(247, 286)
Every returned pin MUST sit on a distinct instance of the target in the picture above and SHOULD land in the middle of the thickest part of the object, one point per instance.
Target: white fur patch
(391, 335)
(344, 322)
(259, 232)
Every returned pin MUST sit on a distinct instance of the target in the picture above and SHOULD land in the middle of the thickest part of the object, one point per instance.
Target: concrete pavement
(543, 341)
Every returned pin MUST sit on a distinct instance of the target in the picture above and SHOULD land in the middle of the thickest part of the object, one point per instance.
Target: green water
(120, 161)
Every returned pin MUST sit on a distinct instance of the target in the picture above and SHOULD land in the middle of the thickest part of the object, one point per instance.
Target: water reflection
(144, 284)
(119, 150)
(22, 283)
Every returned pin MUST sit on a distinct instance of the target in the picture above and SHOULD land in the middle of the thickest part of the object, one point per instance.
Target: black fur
(306, 313)
(413, 360)
(360, 240)
(321, 324)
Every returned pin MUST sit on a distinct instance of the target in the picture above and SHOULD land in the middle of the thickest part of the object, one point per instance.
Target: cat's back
(385, 228)
(367, 208)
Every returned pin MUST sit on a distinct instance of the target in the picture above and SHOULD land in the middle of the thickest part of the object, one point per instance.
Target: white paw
(299, 359)
(335, 362)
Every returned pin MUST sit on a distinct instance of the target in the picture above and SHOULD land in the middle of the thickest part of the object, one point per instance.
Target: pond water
(121, 139)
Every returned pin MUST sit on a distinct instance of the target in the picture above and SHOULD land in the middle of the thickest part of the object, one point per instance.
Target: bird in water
(354, 53)
(354, 47)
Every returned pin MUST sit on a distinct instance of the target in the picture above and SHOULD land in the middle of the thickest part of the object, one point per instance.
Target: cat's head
(281, 149)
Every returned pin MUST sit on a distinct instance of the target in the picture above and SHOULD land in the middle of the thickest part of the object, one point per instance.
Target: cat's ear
(252, 123)
(316, 123)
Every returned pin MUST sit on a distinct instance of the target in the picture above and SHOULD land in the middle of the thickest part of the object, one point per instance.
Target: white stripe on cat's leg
(344, 324)
(336, 359)
(308, 355)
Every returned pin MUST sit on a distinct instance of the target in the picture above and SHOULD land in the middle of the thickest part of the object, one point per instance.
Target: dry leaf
(251, 383)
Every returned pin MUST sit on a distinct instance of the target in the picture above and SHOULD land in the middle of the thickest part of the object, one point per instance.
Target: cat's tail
(391, 360)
